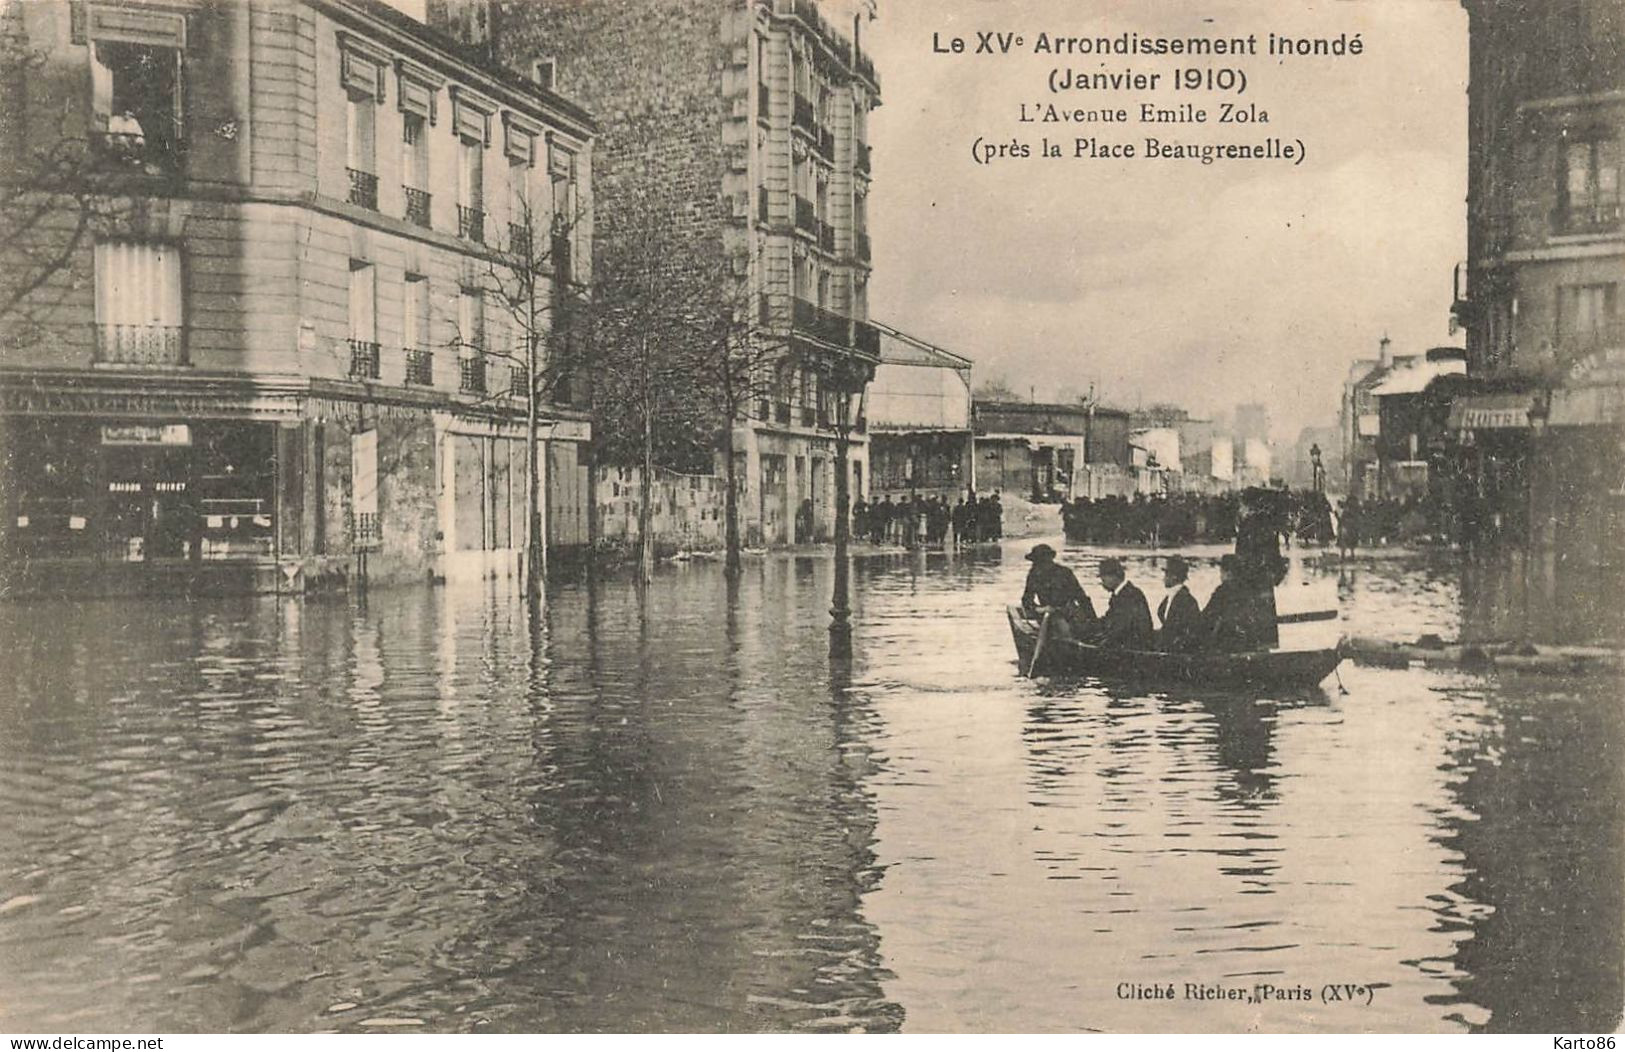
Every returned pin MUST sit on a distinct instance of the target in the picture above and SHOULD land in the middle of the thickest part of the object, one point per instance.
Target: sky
(1172, 281)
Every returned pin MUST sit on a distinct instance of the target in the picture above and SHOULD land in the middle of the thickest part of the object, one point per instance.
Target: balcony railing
(1597, 218)
(141, 344)
(826, 236)
(471, 223)
(363, 189)
(417, 205)
(865, 67)
(803, 117)
(819, 323)
(806, 215)
(471, 375)
(519, 240)
(519, 381)
(764, 101)
(363, 360)
(860, 246)
(420, 368)
(861, 157)
(365, 534)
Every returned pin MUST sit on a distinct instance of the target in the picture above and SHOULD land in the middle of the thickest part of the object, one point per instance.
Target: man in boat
(1127, 621)
(1179, 613)
(1259, 566)
(1053, 589)
(1231, 622)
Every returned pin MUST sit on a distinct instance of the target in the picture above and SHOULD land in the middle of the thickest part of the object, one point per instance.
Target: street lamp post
(848, 386)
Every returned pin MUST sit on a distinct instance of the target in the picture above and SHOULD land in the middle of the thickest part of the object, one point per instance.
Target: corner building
(273, 365)
(1543, 435)
(757, 111)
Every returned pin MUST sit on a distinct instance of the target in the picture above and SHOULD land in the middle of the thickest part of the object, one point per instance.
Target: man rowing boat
(1054, 590)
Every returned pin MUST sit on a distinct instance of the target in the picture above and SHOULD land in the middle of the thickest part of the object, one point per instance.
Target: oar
(1308, 615)
(1038, 647)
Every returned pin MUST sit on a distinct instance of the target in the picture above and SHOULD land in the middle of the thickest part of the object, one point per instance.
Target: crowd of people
(929, 521)
(1187, 518)
(1406, 520)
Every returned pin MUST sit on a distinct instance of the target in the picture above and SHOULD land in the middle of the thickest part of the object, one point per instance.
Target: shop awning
(1491, 412)
(1588, 405)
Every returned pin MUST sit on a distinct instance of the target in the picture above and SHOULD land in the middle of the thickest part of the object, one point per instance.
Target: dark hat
(1041, 553)
(1230, 562)
(1177, 566)
(1111, 566)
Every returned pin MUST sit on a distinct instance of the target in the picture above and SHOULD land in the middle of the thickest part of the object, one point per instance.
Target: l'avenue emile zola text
(1129, 96)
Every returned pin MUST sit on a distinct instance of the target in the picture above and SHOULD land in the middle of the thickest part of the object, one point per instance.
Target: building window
(471, 189)
(1588, 186)
(415, 168)
(562, 177)
(415, 335)
(520, 220)
(1587, 317)
(139, 312)
(364, 356)
(471, 341)
(136, 97)
(360, 150)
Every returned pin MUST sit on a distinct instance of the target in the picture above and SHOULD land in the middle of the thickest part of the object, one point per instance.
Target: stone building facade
(1540, 292)
(275, 360)
(755, 112)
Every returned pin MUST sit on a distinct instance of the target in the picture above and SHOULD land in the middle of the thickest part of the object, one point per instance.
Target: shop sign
(146, 435)
(1485, 419)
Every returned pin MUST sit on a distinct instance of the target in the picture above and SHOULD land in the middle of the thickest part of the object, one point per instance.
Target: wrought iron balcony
(860, 246)
(1600, 217)
(519, 242)
(417, 205)
(806, 215)
(865, 339)
(861, 157)
(518, 381)
(363, 188)
(471, 223)
(471, 375)
(419, 368)
(141, 344)
(365, 532)
(820, 324)
(865, 67)
(803, 116)
(363, 360)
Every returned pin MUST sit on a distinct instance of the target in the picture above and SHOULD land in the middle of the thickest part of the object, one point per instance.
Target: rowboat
(1277, 669)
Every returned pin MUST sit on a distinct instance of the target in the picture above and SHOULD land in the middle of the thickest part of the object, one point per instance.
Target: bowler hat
(1177, 566)
(1041, 553)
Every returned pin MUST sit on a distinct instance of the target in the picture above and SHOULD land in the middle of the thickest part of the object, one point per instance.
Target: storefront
(139, 491)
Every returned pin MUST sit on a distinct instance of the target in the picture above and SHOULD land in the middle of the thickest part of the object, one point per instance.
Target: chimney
(1386, 358)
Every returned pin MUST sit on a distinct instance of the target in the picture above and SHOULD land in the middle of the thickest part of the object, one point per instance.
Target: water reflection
(670, 811)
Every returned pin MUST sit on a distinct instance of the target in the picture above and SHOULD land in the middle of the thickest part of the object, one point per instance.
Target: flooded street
(422, 813)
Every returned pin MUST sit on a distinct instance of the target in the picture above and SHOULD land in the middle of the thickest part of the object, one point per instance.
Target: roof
(1414, 376)
(984, 406)
(899, 348)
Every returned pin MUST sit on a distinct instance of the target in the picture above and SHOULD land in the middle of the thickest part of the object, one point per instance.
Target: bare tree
(56, 195)
(529, 279)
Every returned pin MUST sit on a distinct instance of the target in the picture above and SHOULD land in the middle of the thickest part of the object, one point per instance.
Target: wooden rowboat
(1037, 654)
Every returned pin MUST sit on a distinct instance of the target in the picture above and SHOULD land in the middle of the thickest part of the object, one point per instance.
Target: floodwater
(427, 813)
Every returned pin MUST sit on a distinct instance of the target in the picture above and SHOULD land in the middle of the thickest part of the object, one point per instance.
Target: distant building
(919, 411)
(1359, 421)
(1413, 408)
(1053, 451)
(1540, 291)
